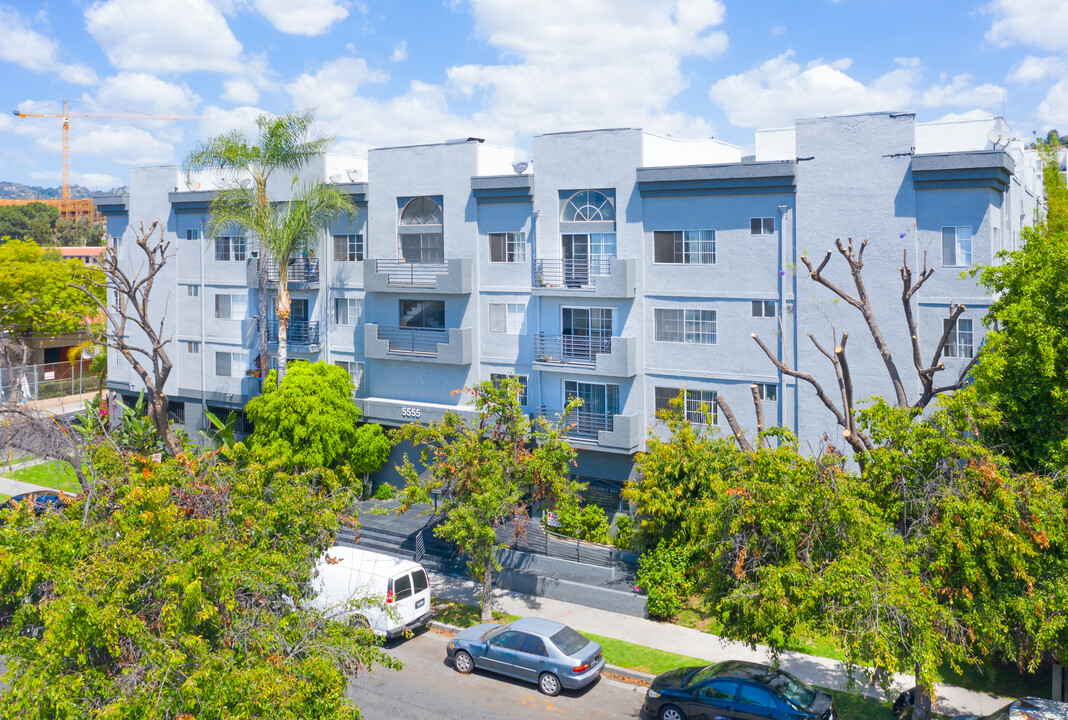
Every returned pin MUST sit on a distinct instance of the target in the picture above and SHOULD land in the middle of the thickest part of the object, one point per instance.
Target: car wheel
(549, 684)
(463, 663)
(670, 712)
(359, 621)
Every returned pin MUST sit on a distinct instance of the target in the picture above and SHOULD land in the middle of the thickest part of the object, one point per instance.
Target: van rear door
(420, 592)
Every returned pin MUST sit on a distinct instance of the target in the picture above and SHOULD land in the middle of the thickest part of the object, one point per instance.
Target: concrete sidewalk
(819, 671)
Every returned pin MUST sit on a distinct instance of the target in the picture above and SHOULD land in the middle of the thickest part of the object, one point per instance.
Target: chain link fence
(48, 380)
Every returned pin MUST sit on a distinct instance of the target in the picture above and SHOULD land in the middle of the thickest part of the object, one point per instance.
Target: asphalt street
(428, 687)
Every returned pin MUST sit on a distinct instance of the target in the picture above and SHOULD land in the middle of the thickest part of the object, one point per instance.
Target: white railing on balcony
(411, 273)
(570, 273)
(413, 340)
(570, 349)
(581, 424)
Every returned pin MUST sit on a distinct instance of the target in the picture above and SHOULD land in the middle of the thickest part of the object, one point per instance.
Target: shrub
(587, 522)
(622, 532)
(385, 491)
(662, 577)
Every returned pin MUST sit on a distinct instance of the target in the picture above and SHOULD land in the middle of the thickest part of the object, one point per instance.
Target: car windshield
(705, 673)
(795, 691)
(491, 632)
(569, 641)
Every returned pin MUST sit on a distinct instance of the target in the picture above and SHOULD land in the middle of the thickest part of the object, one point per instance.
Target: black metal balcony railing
(301, 270)
(413, 340)
(411, 273)
(565, 349)
(300, 333)
(581, 424)
(570, 273)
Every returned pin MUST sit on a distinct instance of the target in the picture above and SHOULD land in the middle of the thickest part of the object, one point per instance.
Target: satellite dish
(520, 167)
(337, 178)
(246, 183)
(1000, 133)
(355, 175)
(220, 183)
(190, 186)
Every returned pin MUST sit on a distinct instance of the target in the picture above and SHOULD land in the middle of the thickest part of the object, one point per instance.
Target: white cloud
(1035, 69)
(1043, 23)
(960, 92)
(123, 144)
(27, 48)
(1053, 111)
(400, 52)
(308, 17)
(241, 91)
(565, 77)
(96, 181)
(778, 91)
(334, 83)
(144, 93)
(167, 36)
(778, 30)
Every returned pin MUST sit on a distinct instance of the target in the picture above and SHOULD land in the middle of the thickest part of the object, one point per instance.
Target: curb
(626, 673)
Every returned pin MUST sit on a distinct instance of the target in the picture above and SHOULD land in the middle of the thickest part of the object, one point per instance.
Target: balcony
(611, 356)
(449, 277)
(590, 277)
(301, 335)
(445, 346)
(606, 431)
(303, 272)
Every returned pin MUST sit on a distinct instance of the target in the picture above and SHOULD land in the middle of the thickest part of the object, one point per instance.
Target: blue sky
(388, 72)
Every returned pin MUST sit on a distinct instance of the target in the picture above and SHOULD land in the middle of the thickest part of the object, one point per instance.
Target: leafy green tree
(1024, 371)
(284, 229)
(29, 221)
(309, 422)
(488, 469)
(36, 298)
(179, 591)
(284, 142)
(70, 233)
(369, 453)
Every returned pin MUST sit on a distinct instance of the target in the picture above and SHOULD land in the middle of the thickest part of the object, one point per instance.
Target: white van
(396, 591)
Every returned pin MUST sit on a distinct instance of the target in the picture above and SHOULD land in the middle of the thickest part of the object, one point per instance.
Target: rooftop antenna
(999, 133)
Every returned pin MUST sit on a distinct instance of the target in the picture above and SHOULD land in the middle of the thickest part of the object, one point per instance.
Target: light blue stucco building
(618, 266)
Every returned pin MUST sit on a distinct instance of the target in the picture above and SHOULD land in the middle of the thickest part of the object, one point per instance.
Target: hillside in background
(18, 191)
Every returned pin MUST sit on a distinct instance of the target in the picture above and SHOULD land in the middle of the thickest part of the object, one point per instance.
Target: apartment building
(618, 266)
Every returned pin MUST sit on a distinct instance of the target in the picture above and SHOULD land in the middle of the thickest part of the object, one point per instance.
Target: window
(532, 644)
(348, 248)
(421, 211)
(687, 247)
(509, 639)
(402, 587)
(348, 311)
(192, 347)
(718, 691)
(192, 290)
(176, 411)
(231, 307)
(192, 234)
(229, 364)
(588, 206)
(688, 326)
(762, 226)
(355, 371)
(507, 318)
(508, 247)
(498, 378)
(956, 246)
(758, 697)
(419, 581)
(699, 405)
(959, 343)
(422, 314)
(597, 399)
(764, 308)
(231, 248)
(768, 392)
(422, 247)
(421, 238)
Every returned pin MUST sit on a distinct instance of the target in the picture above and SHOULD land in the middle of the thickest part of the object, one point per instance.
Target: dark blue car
(735, 690)
(541, 651)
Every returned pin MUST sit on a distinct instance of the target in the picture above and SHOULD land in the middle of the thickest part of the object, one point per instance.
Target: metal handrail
(299, 332)
(411, 273)
(301, 270)
(570, 349)
(571, 273)
(580, 423)
(413, 340)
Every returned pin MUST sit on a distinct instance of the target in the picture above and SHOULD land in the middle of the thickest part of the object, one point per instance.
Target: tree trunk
(261, 278)
(283, 317)
(487, 593)
(157, 410)
(922, 702)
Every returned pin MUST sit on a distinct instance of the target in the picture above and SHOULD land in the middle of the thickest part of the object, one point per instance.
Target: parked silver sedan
(541, 651)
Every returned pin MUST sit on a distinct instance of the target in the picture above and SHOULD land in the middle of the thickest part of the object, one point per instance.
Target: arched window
(588, 206)
(421, 211)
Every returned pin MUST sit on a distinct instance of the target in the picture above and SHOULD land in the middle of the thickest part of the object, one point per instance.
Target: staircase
(384, 534)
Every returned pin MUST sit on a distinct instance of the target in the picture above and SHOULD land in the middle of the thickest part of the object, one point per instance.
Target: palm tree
(285, 230)
(285, 142)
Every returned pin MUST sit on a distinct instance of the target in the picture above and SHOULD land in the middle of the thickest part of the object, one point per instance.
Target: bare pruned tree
(128, 303)
(843, 408)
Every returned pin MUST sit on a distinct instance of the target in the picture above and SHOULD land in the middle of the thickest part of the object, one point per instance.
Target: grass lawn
(53, 474)
(650, 660)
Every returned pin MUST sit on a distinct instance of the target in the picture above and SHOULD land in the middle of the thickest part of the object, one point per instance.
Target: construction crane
(66, 116)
